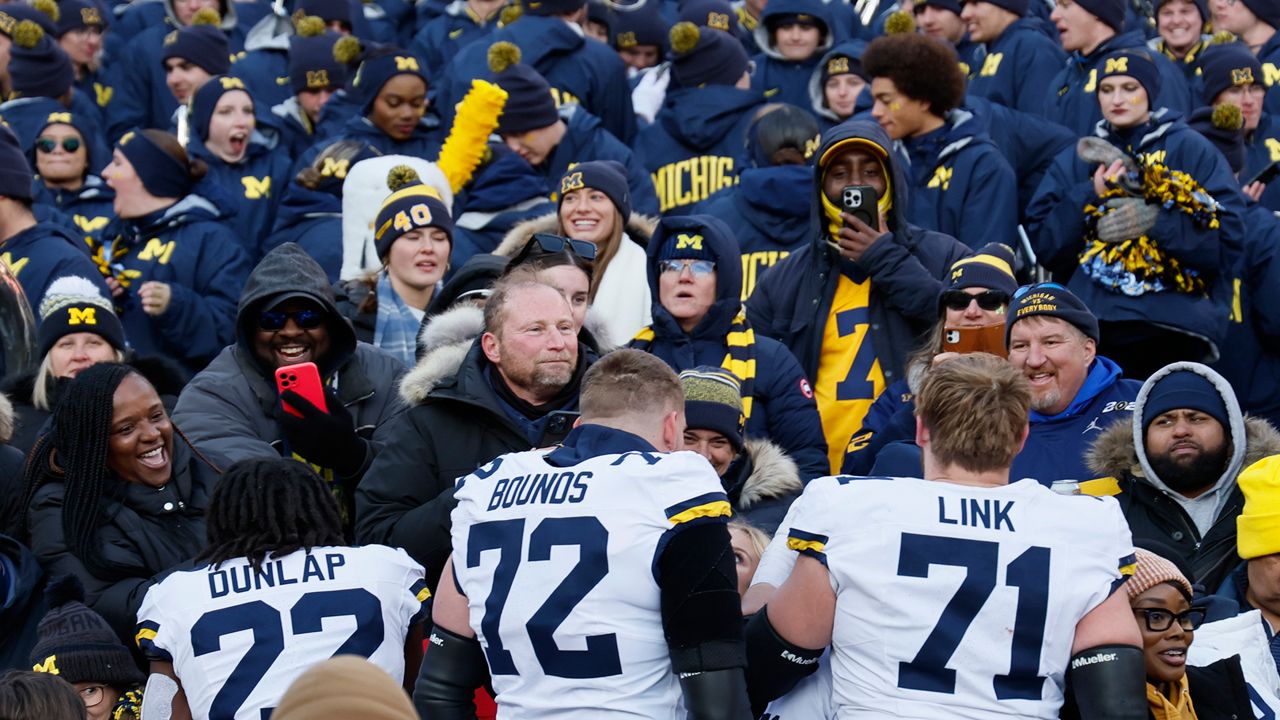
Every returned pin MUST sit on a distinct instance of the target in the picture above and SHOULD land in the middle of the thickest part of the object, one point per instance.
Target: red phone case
(304, 379)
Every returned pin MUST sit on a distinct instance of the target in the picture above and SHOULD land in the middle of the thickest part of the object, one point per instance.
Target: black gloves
(324, 438)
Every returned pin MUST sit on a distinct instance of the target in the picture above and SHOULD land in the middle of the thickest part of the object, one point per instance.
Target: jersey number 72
(601, 658)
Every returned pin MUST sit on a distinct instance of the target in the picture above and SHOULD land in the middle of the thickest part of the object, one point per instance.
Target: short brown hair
(975, 408)
(495, 309)
(626, 382)
(26, 695)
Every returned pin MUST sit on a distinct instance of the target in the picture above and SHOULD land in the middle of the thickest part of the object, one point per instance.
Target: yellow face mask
(830, 210)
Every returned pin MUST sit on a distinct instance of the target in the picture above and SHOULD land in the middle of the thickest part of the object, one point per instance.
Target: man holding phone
(288, 317)
(851, 304)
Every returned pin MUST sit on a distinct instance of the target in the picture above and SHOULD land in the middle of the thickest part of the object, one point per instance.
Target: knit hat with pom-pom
(73, 304)
(411, 205)
(312, 65)
(1224, 127)
(202, 43)
(705, 57)
(75, 643)
(38, 67)
(529, 103)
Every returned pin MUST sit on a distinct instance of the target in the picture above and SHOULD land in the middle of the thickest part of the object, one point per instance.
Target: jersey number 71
(1029, 572)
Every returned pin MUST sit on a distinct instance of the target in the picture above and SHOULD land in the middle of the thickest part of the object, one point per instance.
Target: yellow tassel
(475, 120)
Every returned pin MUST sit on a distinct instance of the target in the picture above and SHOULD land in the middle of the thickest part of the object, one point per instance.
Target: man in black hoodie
(287, 315)
(503, 398)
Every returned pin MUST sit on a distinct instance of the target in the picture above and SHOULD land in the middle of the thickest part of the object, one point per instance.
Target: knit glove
(650, 92)
(1095, 151)
(324, 438)
(1126, 219)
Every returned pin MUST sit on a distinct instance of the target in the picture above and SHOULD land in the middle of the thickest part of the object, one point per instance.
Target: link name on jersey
(243, 579)
(544, 488)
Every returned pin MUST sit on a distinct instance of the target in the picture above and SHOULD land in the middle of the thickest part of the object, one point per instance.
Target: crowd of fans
(454, 209)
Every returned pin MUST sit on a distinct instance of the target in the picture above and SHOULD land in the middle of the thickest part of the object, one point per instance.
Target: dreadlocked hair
(270, 507)
(80, 445)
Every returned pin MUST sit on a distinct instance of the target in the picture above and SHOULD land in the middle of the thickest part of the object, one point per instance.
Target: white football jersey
(559, 565)
(237, 639)
(955, 601)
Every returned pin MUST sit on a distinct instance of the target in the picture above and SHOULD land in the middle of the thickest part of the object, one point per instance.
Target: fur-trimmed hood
(773, 474)
(444, 342)
(1119, 450)
(638, 229)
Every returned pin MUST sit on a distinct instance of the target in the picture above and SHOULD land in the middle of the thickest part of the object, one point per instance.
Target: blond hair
(629, 383)
(975, 408)
(759, 538)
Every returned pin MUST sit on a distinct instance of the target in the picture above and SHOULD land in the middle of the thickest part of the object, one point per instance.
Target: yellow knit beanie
(1258, 527)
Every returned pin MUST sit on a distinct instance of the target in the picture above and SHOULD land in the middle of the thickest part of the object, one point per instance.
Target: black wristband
(1109, 682)
(716, 695)
(774, 666)
(453, 668)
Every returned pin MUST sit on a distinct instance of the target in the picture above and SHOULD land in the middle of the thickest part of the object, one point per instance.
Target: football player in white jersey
(278, 592)
(596, 578)
(961, 595)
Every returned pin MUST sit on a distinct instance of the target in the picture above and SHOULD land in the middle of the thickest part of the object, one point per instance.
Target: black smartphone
(862, 202)
(559, 423)
(1266, 174)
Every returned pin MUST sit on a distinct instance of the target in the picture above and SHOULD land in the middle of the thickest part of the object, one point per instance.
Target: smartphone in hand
(862, 202)
(304, 379)
(988, 339)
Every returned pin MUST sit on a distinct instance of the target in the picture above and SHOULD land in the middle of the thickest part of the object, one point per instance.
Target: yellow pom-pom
(48, 7)
(206, 16)
(474, 121)
(346, 50)
(1228, 117)
(27, 34)
(684, 37)
(899, 23)
(401, 175)
(1222, 37)
(510, 14)
(503, 55)
(309, 26)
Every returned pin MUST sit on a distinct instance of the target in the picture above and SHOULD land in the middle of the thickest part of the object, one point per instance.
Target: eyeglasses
(48, 145)
(1158, 620)
(699, 268)
(989, 300)
(92, 695)
(551, 244)
(305, 319)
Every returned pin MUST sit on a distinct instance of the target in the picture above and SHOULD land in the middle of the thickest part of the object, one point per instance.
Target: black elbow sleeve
(701, 609)
(1109, 682)
(453, 668)
(774, 666)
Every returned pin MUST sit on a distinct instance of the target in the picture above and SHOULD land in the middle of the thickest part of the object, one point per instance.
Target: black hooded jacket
(230, 408)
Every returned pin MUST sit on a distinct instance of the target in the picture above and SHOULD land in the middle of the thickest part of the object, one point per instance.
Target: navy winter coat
(1056, 226)
(90, 207)
(187, 246)
(254, 185)
(1071, 96)
(783, 410)
(503, 193)
(1018, 66)
(43, 253)
(313, 220)
(960, 183)
(580, 70)
(587, 139)
(768, 212)
(697, 143)
(442, 37)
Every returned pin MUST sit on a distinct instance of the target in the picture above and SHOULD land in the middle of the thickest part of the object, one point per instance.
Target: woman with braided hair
(1143, 221)
(115, 493)
(276, 549)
